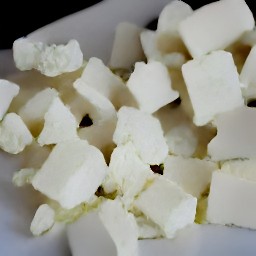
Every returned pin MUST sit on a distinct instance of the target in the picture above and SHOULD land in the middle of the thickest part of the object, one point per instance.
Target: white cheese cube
(213, 85)
(14, 134)
(232, 201)
(127, 36)
(215, 26)
(166, 204)
(247, 75)
(128, 171)
(23, 177)
(72, 173)
(43, 220)
(121, 226)
(60, 125)
(191, 174)
(49, 60)
(236, 135)
(8, 91)
(144, 131)
(150, 85)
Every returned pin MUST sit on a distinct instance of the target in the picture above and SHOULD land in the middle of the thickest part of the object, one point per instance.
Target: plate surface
(94, 29)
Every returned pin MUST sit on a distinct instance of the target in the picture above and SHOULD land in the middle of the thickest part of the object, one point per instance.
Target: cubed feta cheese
(144, 131)
(23, 177)
(72, 173)
(215, 26)
(166, 204)
(213, 85)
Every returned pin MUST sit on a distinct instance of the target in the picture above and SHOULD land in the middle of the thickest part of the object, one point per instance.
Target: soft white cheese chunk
(128, 171)
(14, 134)
(213, 85)
(23, 176)
(60, 125)
(49, 60)
(150, 85)
(232, 201)
(127, 36)
(43, 220)
(166, 204)
(247, 75)
(215, 26)
(72, 173)
(144, 131)
(181, 140)
(121, 226)
(8, 91)
(191, 174)
(99, 77)
(236, 135)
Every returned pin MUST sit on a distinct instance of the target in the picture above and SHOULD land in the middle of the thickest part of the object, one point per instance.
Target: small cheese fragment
(236, 135)
(216, 26)
(23, 177)
(191, 174)
(72, 173)
(166, 204)
(127, 36)
(14, 134)
(49, 60)
(213, 85)
(121, 226)
(60, 125)
(34, 110)
(232, 201)
(150, 85)
(43, 220)
(128, 172)
(8, 91)
(181, 140)
(247, 75)
(144, 131)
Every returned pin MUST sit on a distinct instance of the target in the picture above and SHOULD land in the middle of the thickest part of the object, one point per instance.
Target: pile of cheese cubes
(143, 141)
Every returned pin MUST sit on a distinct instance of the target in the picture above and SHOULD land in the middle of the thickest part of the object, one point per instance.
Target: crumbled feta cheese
(150, 85)
(72, 173)
(121, 226)
(127, 36)
(14, 134)
(23, 176)
(236, 135)
(216, 26)
(43, 220)
(8, 91)
(213, 85)
(191, 174)
(60, 125)
(144, 131)
(231, 201)
(49, 60)
(167, 205)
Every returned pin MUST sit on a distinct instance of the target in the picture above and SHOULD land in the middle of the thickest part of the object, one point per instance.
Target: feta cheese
(72, 173)
(121, 226)
(232, 201)
(43, 220)
(49, 60)
(236, 135)
(213, 85)
(166, 204)
(191, 174)
(150, 85)
(60, 125)
(127, 36)
(144, 131)
(23, 177)
(14, 134)
(8, 91)
(215, 26)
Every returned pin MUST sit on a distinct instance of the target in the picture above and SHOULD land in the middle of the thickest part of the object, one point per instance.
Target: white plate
(94, 29)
